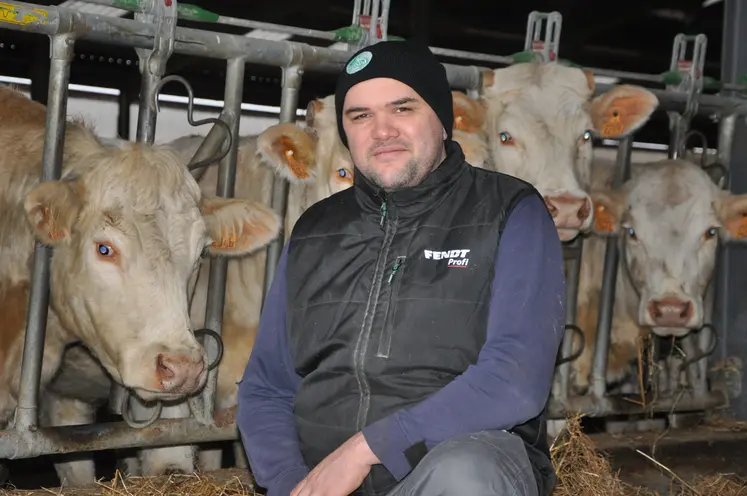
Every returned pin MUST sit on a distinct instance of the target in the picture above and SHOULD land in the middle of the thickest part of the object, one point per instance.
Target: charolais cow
(316, 164)
(538, 121)
(669, 217)
(128, 227)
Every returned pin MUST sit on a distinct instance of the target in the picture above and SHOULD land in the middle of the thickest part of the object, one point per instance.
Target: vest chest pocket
(458, 274)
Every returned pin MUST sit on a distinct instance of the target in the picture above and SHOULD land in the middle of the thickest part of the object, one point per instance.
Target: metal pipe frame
(279, 202)
(611, 405)
(64, 26)
(61, 54)
(598, 383)
(202, 405)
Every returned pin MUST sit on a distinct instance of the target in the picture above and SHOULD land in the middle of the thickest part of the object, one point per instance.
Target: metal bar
(609, 280)
(116, 435)
(731, 313)
(571, 301)
(61, 54)
(288, 105)
(123, 115)
(127, 32)
(617, 405)
(216, 293)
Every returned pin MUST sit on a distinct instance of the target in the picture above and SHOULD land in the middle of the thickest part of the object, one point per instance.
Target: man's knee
(483, 463)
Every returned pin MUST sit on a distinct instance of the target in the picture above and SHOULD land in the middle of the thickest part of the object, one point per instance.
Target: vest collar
(417, 199)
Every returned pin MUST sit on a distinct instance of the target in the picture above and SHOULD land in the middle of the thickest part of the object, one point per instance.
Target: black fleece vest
(388, 299)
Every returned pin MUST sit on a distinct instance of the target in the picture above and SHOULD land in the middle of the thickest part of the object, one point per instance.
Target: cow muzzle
(671, 312)
(180, 373)
(569, 211)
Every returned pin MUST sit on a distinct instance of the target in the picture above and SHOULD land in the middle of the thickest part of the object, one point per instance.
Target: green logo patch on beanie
(359, 62)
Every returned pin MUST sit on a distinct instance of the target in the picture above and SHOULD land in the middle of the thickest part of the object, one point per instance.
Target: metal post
(730, 312)
(202, 406)
(609, 280)
(288, 103)
(573, 270)
(61, 54)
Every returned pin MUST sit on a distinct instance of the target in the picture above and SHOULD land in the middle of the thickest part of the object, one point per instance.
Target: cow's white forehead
(671, 198)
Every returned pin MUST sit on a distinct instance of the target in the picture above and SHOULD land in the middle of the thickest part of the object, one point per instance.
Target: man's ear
(238, 227)
(52, 207)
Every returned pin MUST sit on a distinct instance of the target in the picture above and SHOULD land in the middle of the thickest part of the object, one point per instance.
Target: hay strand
(195, 484)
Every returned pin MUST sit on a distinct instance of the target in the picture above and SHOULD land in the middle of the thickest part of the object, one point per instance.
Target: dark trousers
(485, 463)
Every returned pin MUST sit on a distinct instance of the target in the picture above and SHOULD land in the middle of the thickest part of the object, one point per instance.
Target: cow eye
(586, 136)
(104, 250)
(710, 232)
(631, 232)
(504, 137)
(342, 172)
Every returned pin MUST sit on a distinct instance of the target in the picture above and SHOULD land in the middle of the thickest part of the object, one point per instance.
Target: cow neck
(413, 201)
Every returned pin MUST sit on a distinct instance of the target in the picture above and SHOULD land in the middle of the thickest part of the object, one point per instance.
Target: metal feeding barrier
(155, 35)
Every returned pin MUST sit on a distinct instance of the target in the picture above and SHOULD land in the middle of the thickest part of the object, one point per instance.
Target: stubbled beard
(407, 176)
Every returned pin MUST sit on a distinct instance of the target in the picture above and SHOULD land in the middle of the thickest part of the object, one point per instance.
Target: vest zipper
(386, 334)
(361, 345)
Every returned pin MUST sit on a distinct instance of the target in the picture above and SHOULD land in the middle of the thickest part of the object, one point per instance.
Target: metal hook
(135, 424)
(192, 122)
(576, 329)
(706, 167)
(218, 341)
(704, 354)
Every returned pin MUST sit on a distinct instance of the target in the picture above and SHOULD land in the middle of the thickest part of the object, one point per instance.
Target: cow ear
(289, 150)
(238, 227)
(474, 146)
(732, 211)
(52, 207)
(469, 114)
(608, 209)
(622, 110)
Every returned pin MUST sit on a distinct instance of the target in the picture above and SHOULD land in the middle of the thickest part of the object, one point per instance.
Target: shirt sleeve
(511, 381)
(265, 398)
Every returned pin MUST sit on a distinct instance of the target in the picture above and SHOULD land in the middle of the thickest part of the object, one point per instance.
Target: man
(408, 342)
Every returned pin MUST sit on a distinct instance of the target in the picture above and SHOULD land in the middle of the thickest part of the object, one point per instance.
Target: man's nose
(384, 128)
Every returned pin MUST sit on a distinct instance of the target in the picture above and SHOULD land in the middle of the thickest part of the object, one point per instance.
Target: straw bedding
(582, 471)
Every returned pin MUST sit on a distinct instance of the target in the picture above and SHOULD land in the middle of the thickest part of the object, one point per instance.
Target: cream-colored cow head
(128, 226)
(539, 120)
(314, 159)
(669, 216)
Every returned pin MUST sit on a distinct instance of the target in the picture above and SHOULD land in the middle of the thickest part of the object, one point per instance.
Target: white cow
(669, 216)
(537, 121)
(128, 227)
(317, 165)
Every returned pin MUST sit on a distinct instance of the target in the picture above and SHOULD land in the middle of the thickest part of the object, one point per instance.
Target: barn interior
(624, 43)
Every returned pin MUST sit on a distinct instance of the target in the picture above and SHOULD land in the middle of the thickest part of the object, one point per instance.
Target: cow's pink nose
(568, 211)
(670, 312)
(178, 373)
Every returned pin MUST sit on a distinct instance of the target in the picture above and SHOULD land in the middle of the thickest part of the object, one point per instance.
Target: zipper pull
(383, 214)
(397, 264)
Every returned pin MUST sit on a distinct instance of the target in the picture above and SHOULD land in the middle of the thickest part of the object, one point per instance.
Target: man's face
(395, 137)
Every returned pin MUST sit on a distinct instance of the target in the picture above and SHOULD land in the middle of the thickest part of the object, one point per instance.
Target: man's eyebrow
(394, 103)
(402, 101)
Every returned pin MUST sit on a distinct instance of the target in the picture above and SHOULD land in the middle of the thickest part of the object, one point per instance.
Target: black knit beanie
(410, 62)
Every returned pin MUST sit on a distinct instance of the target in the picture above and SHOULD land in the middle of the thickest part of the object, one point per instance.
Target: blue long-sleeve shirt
(508, 385)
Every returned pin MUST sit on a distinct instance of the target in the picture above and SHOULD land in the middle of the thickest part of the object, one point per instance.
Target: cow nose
(568, 211)
(670, 312)
(179, 373)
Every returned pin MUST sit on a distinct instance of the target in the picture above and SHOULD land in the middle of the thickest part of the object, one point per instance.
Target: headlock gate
(155, 36)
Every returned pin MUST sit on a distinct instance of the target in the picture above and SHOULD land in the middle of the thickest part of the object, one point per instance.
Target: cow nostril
(585, 210)
(162, 369)
(550, 207)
